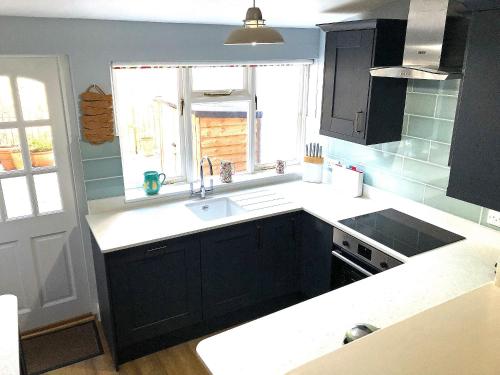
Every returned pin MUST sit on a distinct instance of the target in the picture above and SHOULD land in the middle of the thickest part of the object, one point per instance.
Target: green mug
(152, 182)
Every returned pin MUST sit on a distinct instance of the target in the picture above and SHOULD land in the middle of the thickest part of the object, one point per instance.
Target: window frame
(188, 96)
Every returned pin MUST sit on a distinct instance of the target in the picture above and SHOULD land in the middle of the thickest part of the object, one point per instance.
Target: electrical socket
(493, 218)
(331, 162)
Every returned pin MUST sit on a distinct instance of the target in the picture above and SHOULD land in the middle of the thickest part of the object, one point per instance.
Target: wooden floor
(177, 360)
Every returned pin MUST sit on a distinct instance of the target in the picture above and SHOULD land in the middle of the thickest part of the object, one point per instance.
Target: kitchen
(348, 200)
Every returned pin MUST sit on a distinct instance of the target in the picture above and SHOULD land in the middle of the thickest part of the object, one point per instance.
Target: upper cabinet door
(347, 82)
(357, 107)
(475, 152)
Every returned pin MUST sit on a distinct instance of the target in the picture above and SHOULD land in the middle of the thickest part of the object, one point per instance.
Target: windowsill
(241, 181)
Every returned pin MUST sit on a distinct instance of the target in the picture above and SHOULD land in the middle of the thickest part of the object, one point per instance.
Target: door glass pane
(40, 145)
(7, 110)
(279, 106)
(221, 134)
(218, 78)
(17, 197)
(33, 99)
(10, 151)
(48, 194)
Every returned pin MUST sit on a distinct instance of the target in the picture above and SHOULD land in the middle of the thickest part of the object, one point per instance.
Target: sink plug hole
(205, 207)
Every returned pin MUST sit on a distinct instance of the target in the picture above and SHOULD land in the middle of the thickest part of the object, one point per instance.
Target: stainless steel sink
(216, 208)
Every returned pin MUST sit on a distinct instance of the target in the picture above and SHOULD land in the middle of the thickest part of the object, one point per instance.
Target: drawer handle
(155, 251)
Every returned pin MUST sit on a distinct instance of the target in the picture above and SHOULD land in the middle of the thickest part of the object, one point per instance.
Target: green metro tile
(437, 198)
(106, 149)
(426, 173)
(420, 104)
(426, 86)
(395, 184)
(104, 188)
(381, 160)
(439, 154)
(429, 128)
(484, 217)
(406, 118)
(446, 107)
(94, 169)
(450, 87)
(415, 148)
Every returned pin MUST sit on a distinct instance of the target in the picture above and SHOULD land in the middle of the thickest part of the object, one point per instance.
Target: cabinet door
(155, 289)
(475, 156)
(317, 240)
(280, 274)
(230, 261)
(348, 59)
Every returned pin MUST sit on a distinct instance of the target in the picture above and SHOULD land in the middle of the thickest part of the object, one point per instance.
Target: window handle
(256, 103)
(182, 107)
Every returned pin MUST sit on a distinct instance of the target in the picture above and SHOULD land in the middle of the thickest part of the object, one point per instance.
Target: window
(168, 118)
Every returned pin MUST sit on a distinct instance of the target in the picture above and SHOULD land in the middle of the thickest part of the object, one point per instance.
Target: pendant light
(254, 31)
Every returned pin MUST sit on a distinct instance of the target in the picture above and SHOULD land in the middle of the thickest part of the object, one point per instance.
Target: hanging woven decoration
(96, 108)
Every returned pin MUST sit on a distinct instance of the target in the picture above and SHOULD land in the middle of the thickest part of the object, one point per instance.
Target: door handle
(356, 122)
(351, 263)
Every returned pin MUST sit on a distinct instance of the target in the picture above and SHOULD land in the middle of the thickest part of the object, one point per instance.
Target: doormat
(61, 348)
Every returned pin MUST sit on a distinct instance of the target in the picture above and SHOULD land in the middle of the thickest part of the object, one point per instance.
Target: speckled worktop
(280, 342)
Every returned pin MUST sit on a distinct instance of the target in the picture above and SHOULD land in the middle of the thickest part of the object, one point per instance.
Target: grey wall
(92, 45)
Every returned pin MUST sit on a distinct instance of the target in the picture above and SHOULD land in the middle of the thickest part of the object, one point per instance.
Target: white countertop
(9, 336)
(282, 341)
(458, 337)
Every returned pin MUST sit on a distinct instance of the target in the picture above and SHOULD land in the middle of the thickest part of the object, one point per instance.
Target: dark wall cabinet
(160, 294)
(475, 150)
(357, 107)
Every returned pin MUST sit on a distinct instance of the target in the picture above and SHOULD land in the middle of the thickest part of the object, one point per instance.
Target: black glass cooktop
(401, 232)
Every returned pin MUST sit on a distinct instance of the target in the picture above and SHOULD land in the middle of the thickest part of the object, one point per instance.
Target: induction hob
(401, 232)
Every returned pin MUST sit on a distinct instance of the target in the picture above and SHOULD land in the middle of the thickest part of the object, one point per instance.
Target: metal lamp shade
(254, 35)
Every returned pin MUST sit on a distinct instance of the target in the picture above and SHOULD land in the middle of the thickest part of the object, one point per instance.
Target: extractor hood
(434, 46)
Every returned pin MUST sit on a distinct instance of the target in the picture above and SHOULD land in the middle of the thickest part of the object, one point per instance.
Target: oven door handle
(351, 263)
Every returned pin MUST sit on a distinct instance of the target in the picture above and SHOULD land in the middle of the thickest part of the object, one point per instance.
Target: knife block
(313, 169)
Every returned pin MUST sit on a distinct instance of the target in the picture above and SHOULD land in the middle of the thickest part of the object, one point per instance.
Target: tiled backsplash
(417, 166)
(102, 169)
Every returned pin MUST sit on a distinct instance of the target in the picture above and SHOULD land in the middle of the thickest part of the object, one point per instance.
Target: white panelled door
(41, 251)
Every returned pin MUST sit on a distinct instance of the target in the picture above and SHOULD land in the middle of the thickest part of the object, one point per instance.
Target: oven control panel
(367, 253)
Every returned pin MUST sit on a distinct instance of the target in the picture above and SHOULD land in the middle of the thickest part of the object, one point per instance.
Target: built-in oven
(353, 260)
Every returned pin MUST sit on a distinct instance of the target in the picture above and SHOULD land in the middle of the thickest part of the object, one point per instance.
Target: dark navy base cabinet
(317, 240)
(157, 289)
(231, 269)
(161, 294)
(280, 255)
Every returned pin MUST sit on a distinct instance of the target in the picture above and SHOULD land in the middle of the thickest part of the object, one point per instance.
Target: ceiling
(294, 13)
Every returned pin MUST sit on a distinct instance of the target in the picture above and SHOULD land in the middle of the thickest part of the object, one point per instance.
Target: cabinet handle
(259, 237)
(356, 122)
(155, 251)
